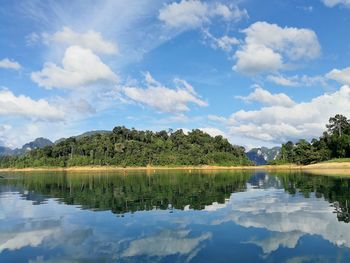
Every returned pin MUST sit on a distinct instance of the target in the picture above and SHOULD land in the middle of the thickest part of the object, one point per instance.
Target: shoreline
(117, 168)
(319, 166)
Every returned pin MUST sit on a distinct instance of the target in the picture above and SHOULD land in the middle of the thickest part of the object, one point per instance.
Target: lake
(174, 216)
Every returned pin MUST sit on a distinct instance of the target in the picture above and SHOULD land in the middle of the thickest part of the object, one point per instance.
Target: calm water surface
(174, 217)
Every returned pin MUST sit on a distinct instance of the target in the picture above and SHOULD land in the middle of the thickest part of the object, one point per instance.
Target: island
(124, 148)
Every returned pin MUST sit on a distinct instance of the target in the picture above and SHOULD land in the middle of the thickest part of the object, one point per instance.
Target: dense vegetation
(334, 143)
(129, 147)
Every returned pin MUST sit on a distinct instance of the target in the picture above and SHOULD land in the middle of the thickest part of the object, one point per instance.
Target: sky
(259, 73)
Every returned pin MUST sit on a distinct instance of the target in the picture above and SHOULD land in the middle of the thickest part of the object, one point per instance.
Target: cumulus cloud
(268, 48)
(266, 98)
(340, 75)
(213, 131)
(332, 3)
(281, 123)
(253, 59)
(165, 99)
(9, 64)
(80, 67)
(27, 107)
(91, 40)
(190, 14)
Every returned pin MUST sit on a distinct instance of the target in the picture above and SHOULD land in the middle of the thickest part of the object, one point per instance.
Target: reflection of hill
(137, 191)
(132, 192)
(262, 180)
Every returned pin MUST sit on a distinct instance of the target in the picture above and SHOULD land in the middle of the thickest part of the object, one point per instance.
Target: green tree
(338, 125)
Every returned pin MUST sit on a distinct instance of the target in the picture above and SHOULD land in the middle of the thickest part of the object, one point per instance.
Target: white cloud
(283, 81)
(280, 123)
(296, 80)
(91, 40)
(268, 48)
(332, 3)
(228, 13)
(225, 42)
(190, 14)
(340, 75)
(11, 137)
(9, 64)
(213, 131)
(266, 98)
(186, 14)
(253, 59)
(27, 107)
(80, 67)
(4, 130)
(82, 106)
(18, 132)
(165, 99)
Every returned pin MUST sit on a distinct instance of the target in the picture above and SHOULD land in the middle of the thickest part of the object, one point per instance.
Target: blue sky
(257, 72)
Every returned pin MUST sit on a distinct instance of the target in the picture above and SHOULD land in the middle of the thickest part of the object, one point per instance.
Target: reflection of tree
(132, 192)
(334, 189)
(342, 211)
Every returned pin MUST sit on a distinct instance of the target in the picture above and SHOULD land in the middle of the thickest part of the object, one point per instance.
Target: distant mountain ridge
(41, 142)
(263, 155)
(5, 151)
(38, 143)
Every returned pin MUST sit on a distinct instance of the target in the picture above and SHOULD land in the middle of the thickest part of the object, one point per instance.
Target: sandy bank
(344, 167)
(116, 168)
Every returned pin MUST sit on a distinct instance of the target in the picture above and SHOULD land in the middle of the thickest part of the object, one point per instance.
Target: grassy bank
(339, 160)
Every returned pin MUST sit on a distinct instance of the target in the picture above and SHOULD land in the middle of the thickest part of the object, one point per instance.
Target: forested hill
(334, 143)
(129, 147)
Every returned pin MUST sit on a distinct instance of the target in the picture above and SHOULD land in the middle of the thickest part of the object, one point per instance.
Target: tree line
(129, 147)
(334, 143)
